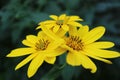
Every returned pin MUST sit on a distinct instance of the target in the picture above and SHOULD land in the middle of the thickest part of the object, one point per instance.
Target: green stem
(54, 72)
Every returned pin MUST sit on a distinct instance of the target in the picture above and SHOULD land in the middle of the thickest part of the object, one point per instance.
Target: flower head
(40, 48)
(62, 21)
(81, 44)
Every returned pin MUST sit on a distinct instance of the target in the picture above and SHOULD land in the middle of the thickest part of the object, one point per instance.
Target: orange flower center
(42, 44)
(75, 43)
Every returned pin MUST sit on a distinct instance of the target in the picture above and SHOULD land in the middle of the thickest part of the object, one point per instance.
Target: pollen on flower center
(42, 44)
(60, 22)
(75, 43)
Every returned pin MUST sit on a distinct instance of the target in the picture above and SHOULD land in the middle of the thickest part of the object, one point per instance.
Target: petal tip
(16, 68)
(9, 55)
(29, 75)
(102, 28)
(93, 70)
(109, 62)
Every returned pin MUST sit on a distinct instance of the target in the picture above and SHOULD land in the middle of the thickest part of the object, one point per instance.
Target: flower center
(60, 22)
(75, 43)
(42, 44)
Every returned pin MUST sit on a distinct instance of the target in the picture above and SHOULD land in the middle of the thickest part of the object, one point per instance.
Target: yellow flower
(40, 48)
(81, 44)
(62, 21)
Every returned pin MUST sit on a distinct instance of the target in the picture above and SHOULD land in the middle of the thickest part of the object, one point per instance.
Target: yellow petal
(101, 44)
(42, 35)
(98, 58)
(83, 31)
(62, 17)
(40, 23)
(31, 38)
(72, 30)
(20, 52)
(27, 43)
(48, 23)
(50, 60)
(35, 64)
(74, 24)
(58, 51)
(73, 59)
(88, 64)
(65, 27)
(54, 17)
(94, 35)
(56, 28)
(50, 26)
(38, 27)
(67, 47)
(75, 18)
(102, 53)
(25, 61)
(55, 44)
(50, 33)
(60, 32)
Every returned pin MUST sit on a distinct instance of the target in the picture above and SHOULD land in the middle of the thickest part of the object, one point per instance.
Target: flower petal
(62, 17)
(42, 35)
(75, 18)
(39, 27)
(101, 45)
(53, 17)
(65, 27)
(58, 51)
(74, 24)
(73, 59)
(83, 31)
(20, 52)
(50, 60)
(87, 63)
(32, 39)
(27, 43)
(94, 35)
(98, 58)
(55, 44)
(50, 33)
(72, 30)
(35, 64)
(102, 53)
(56, 28)
(25, 61)
(60, 32)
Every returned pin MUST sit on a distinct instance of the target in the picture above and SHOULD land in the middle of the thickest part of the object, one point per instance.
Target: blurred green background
(19, 18)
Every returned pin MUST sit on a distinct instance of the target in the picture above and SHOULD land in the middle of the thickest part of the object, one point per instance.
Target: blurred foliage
(20, 17)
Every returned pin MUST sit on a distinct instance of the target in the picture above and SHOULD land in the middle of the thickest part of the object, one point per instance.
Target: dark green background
(19, 18)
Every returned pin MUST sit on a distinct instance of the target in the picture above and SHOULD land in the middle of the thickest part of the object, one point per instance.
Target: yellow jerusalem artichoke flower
(40, 48)
(62, 21)
(81, 44)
